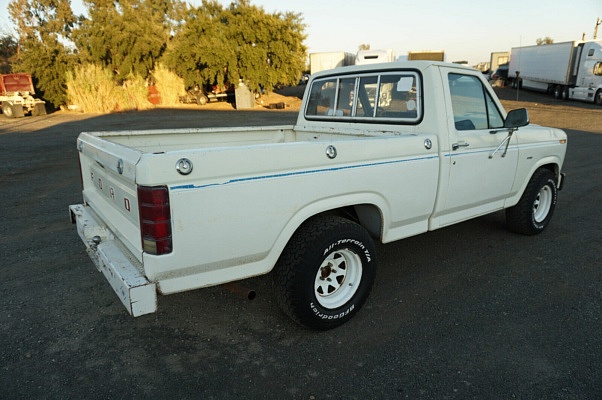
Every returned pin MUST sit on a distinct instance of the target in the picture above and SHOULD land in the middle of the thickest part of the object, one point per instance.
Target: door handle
(456, 146)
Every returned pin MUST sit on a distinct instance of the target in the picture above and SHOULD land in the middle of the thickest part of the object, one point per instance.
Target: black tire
(598, 98)
(532, 214)
(202, 99)
(565, 93)
(7, 110)
(558, 92)
(326, 272)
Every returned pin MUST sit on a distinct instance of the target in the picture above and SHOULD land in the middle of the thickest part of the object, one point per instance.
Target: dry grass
(133, 94)
(91, 89)
(169, 85)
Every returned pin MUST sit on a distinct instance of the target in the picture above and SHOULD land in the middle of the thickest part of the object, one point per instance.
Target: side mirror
(517, 118)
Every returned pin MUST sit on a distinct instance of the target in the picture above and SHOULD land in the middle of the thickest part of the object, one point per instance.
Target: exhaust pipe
(237, 288)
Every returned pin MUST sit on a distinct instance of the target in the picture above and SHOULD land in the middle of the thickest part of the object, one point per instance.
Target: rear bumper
(138, 295)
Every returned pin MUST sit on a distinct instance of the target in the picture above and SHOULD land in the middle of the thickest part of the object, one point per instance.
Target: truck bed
(162, 141)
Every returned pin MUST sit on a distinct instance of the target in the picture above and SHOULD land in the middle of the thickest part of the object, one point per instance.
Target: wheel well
(368, 216)
(553, 168)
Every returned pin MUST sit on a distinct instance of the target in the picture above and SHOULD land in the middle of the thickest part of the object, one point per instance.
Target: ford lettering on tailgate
(115, 192)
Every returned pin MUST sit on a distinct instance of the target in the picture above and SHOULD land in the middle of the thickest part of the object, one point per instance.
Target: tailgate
(109, 187)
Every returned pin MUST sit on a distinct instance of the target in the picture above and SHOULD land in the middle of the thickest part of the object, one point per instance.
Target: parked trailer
(374, 56)
(329, 60)
(569, 70)
(16, 96)
(498, 58)
(428, 55)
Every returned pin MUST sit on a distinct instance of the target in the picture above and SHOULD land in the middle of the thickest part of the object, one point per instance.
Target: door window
(472, 104)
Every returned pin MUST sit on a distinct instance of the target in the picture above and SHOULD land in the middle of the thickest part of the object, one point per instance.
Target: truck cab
(589, 76)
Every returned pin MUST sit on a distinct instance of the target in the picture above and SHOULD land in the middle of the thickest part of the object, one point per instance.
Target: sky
(467, 30)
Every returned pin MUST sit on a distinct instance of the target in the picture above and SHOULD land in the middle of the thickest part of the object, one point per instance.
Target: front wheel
(534, 210)
(7, 110)
(202, 99)
(326, 272)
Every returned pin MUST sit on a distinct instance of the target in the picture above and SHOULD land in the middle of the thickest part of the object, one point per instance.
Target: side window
(495, 118)
(472, 105)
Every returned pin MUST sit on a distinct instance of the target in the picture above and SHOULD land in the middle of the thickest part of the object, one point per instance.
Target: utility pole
(598, 22)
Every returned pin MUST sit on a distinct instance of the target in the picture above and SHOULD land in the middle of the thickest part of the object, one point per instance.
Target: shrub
(92, 89)
(169, 85)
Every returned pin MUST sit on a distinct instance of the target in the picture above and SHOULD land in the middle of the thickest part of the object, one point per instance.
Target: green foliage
(218, 45)
(8, 50)
(8, 47)
(546, 40)
(207, 45)
(126, 36)
(44, 27)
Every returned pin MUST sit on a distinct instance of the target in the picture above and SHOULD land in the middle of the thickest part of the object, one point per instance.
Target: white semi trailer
(569, 70)
(329, 60)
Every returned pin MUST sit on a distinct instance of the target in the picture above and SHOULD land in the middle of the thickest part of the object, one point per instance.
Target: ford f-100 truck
(379, 152)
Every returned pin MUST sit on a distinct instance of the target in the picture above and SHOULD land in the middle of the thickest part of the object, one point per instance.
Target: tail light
(155, 219)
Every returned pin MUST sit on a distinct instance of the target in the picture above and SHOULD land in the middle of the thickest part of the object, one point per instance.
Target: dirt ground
(545, 110)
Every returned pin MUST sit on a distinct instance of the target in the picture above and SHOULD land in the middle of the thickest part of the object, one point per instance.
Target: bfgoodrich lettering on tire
(534, 210)
(326, 272)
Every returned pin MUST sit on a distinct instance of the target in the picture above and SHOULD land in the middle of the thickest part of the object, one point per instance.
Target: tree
(44, 28)
(200, 52)
(126, 36)
(543, 41)
(218, 45)
(364, 46)
(8, 51)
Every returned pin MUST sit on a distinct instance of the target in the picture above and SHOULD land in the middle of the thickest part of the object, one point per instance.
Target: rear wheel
(598, 98)
(558, 92)
(534, 210)
(565, 93)
(326, 272)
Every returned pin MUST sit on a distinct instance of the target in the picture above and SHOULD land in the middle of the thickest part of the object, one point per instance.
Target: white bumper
(138, 295)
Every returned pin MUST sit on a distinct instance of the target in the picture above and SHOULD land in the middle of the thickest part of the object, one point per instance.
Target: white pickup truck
(379, 152)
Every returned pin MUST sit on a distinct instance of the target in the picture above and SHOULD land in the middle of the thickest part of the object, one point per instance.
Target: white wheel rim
(338, 278)
(542, 204)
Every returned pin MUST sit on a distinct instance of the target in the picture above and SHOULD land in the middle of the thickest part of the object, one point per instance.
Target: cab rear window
(384, 97)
